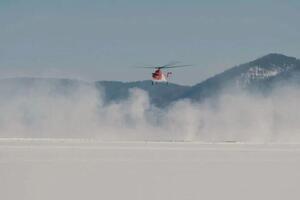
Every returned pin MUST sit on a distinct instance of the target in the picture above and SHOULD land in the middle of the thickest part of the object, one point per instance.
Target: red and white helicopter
(158, 76)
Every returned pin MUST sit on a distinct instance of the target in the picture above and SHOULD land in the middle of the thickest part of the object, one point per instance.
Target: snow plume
(43, 111)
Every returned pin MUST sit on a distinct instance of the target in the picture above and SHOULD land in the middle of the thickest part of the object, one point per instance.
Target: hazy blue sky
(102, 39)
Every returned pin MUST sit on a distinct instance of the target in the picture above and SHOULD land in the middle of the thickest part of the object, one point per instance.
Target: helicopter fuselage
(158, 76)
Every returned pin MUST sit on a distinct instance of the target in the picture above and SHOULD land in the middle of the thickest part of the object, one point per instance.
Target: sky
(106, 39)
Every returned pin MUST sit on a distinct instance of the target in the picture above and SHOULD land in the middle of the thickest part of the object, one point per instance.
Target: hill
(261, 75)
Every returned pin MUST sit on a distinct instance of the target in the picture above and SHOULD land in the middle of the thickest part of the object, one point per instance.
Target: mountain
(260, 75)
(160, 95)
(112, 91)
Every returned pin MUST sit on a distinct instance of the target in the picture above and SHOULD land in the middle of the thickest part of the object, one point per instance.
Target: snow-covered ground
(86, 169)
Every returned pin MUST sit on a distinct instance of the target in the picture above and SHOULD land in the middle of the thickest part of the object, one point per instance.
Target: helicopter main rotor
(169, 65)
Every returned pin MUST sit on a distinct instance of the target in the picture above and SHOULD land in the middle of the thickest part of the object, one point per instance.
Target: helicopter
(158, 76)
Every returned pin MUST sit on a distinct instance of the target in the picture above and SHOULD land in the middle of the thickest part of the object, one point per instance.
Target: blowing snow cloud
(41, 109)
